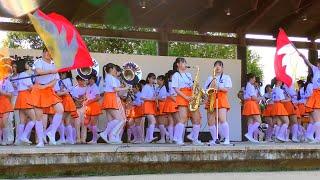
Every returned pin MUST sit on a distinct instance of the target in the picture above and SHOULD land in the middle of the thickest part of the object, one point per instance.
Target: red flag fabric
(63, 41)
(284, 49)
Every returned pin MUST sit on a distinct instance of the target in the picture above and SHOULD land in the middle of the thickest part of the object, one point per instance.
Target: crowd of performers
(56, 107)
(289, 114)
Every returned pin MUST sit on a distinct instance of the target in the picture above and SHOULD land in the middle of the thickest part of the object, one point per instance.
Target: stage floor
(104, 159)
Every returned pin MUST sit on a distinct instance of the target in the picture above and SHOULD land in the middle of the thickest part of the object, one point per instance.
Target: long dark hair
(175, 64)
(167, 78)
(249, 76)
(267, 86)
(309, 80)
(21, 66)
(150, 75)
(106, 69)
(301, 83)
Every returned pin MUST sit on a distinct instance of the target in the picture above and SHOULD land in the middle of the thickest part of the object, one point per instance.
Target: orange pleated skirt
(110, 101)
(222, 101)
(289, 108)
(74, 115)
(170, 106)
(43, 98)
(314, 100)
(308, 110)
(135, 112)
(6, 105)
(93, 109)
(267, 112)
(49, 110)
(278, 109)
(250, 107)
(68, 103)
(302, 109)
(149, 108)
(182, 101)
(22, 100)
(161, 108)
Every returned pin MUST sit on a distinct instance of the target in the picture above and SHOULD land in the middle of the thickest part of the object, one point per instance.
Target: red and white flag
(285, 60)
(62, 40)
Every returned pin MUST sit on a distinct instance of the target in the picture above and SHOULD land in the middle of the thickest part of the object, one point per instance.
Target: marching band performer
(6, 106)
(182, 82)
(43, 95)
(222, 84)
(26, 111)
(251, 109)
(301, 106)
(170, 106)
(267, 113)
(111, 105)
(14, 116)
(161, 93)
(79, 95)
(63, 88)
(148, 95)
(92, 106)
(279, 112)
(309, 135)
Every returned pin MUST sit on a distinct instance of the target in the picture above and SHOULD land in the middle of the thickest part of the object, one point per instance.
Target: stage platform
(103, 159)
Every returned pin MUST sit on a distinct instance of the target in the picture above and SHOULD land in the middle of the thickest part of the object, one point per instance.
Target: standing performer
(301, 106)
(14, 116)
(161, 116)
(279, 112)
(251, 109)
(148, 95)
(26, 111)
(79, 94)
(170, 106)
(267, 113)
(309, 135)
(93, 108)
(6, 107)
(43, 95)
(221, 84)
(111, 105)
(182, 82)
(314, 100)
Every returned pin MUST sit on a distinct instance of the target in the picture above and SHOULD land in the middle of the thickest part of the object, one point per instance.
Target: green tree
(142, 47)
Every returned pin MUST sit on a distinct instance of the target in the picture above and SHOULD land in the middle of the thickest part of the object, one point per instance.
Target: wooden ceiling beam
(290, 20)
(259, 14)
(314, 32)
(156, 36)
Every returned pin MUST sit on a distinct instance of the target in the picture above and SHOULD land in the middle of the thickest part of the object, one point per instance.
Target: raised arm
(305, 59)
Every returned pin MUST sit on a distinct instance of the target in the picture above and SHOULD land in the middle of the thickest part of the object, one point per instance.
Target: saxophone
(197, 93)
(212, 92)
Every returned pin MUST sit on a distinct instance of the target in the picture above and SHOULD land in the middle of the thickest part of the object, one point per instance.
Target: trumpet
(212, 91)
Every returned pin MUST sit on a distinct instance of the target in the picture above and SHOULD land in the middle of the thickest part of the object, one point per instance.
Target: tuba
(212, 92)
(197, 93)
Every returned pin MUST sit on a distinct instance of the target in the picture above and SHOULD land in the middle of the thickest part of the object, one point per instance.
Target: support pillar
(242, 56)
(313, 52)
(163, 43)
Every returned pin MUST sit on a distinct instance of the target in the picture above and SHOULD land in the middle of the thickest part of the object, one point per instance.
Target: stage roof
(300, 18)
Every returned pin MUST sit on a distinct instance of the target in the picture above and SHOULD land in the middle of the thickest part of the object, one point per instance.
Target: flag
(285, 61)
(63, 41)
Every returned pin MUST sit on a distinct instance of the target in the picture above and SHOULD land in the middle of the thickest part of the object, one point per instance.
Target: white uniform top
(148, 92)
(63, 84)
(308, 91)
(182, 80)
(92, 91)
(6, 86)
(302, 95)
(137, 100)
(110, 83)
(43, 65)
(23, 84)
(78, 91)
(162, 92)
(249, 91)
(290, 91)
(268, 96)
(277, 94)
(222, 81)
(15, 84)
(171, 92)
(316, 77)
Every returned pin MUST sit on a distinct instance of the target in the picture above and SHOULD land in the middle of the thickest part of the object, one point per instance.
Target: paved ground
(292, 175)
(150, 147)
